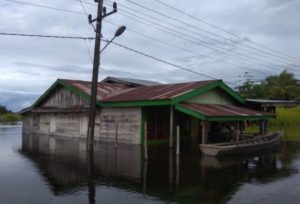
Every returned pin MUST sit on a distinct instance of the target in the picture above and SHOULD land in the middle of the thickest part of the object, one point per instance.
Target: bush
(10, 118)
(286, 117)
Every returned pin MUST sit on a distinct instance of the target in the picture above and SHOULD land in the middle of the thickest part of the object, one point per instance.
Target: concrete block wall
(123, 123)
(75, 125)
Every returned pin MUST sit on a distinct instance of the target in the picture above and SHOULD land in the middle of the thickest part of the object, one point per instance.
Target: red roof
(103, 90)
(212, 110)
(164, 91)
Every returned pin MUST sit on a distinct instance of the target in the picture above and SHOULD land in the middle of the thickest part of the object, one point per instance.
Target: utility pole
(101, 13)
(96, 64)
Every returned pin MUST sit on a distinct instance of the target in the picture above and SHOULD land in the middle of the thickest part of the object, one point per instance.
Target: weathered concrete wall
(215, 96)
(75, 125)
(65, 113)
(123, 123)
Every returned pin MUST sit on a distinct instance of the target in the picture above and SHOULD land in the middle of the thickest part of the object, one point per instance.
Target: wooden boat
(247, 145)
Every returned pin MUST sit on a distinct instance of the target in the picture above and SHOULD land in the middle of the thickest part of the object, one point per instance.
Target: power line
(221, 29)
(57, 36)
(72, 12)
(225, 43)
(47, 7)
(48, 36)
(190, 25)
(198, 41)
(88, 51)
(213, 39)
(207, 56)
(166, 62)
(207, 45)
(83, 8)
(138, 18)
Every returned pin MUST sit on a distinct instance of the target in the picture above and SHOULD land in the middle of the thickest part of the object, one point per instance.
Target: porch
(200, 123)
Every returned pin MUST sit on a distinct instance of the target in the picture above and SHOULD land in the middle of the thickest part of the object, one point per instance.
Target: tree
(282, 87)
(4, 110)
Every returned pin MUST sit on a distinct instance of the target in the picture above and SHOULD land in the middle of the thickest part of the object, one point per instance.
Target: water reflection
(190, 178)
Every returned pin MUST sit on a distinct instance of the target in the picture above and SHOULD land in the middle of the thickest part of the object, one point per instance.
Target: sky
(262, 38)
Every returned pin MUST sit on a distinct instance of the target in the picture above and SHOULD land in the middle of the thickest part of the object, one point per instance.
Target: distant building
(269, 105)
(124, 105)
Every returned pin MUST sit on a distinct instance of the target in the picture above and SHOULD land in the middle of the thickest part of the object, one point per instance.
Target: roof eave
(64, 84)
(207, 88)
(134, 103)
(202, 116)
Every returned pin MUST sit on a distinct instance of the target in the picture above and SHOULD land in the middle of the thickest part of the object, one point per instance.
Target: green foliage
(286, 117)
(3, 110)
(283, 87)
(10, 118)
(287, 121)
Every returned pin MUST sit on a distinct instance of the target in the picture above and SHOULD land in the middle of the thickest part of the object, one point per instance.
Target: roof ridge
(190, 82)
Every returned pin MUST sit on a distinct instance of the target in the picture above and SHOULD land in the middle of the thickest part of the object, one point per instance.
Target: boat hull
(262, 142)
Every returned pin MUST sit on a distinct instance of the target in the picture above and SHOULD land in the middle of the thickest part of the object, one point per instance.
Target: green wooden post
(145, 141)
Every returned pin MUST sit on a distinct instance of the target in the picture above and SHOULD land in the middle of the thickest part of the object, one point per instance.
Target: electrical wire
(200, 55)
(84, 10)
(182, 22)
(48, 36)
(166, 62)
(224, 40)
(221, 29)
(199, 42)
(29, 35)
(43, 6)
(265, 63)
(80, 13)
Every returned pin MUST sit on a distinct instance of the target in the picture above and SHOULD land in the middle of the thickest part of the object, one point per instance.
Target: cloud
(28, 66)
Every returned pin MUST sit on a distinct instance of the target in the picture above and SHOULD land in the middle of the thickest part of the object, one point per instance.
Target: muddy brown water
(44, 169)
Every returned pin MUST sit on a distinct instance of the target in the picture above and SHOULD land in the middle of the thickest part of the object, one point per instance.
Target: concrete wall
(51, 118)
(75, 124)
(215, 96)
(128, 121)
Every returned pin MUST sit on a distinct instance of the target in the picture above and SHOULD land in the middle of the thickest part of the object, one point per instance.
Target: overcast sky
(28, 66)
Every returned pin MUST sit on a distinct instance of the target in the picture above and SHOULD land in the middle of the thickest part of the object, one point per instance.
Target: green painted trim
(64, 84)
(194, 93)
(143, 120)
(53, 86)
(207, 88)
(190, 112)
(75, 90)
(134, 103)
(233, 93)
(220, 118)
(233, 118)
(156, 142)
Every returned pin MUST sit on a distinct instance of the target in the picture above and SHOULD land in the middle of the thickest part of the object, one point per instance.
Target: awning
(211, 112)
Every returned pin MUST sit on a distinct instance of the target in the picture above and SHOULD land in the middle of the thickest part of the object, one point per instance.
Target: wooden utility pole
(96, 64)
(101, 13)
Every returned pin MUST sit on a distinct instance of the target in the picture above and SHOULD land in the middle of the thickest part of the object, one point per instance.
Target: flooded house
(206, 112)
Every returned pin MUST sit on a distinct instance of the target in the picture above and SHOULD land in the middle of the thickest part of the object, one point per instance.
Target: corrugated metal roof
(130, 81)
(103, 90)
(164, 91)
(212, 110)
(266, 102)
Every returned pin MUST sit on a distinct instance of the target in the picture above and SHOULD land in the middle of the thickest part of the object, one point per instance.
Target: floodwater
(46, 169)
